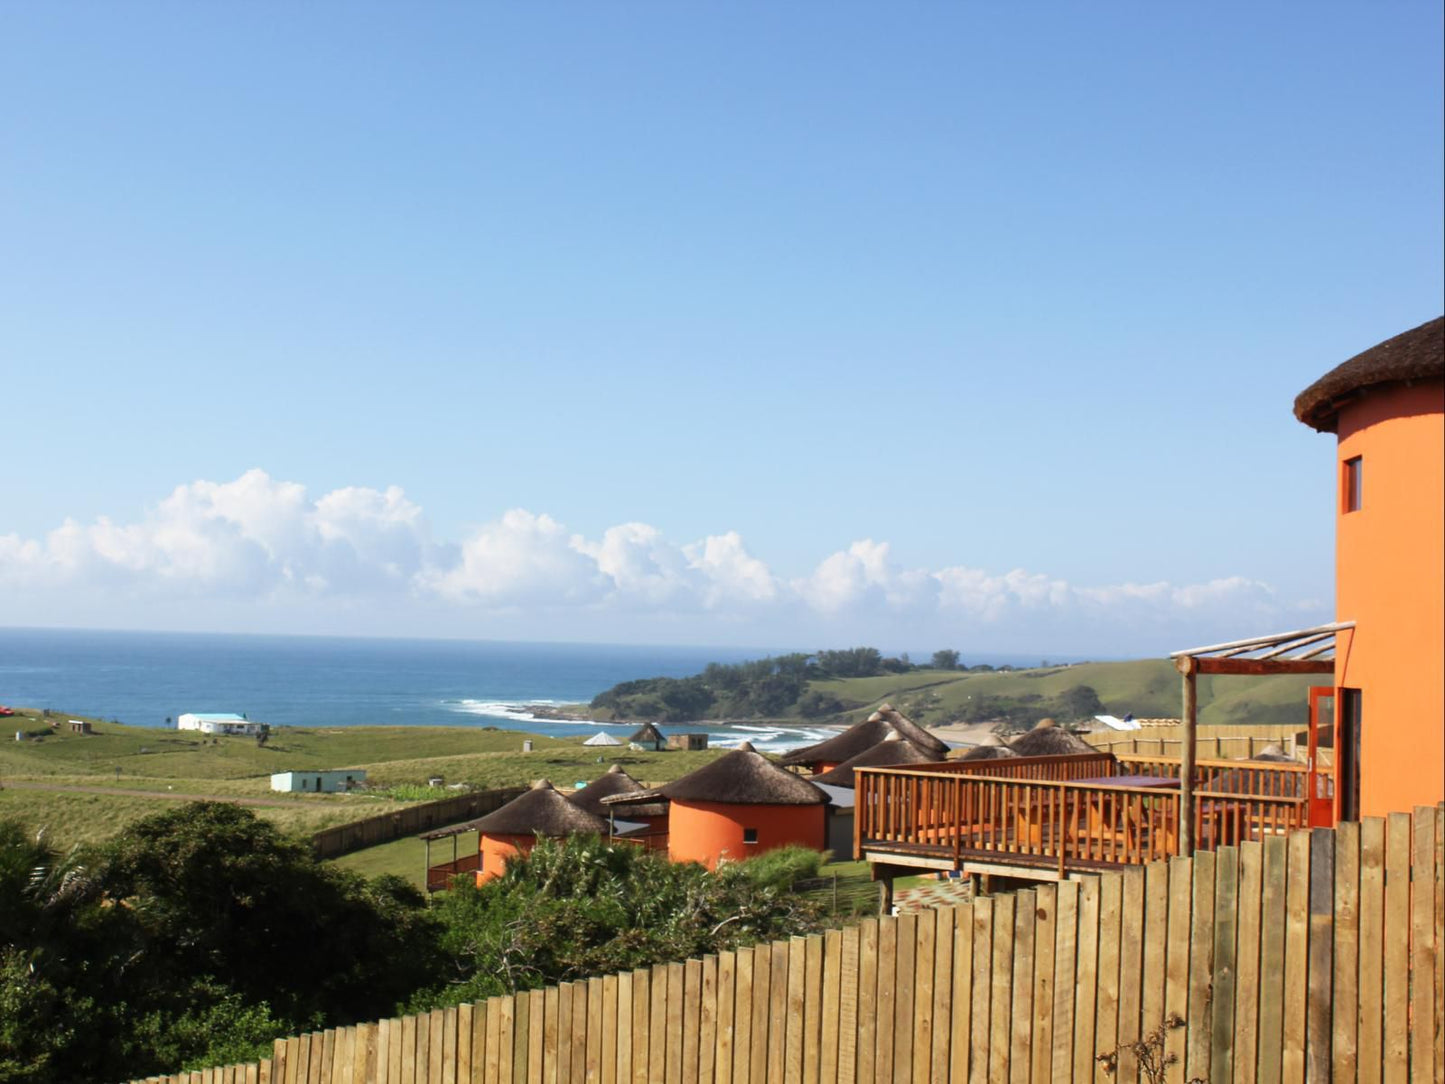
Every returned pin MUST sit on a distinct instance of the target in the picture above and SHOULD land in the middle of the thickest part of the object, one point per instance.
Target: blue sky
(758, 324)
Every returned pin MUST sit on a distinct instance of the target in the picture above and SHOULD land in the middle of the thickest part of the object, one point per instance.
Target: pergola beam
(1258, 667)
(1264, 641)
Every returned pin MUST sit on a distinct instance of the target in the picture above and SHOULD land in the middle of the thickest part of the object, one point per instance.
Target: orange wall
(707, 831)
(495, 851)
(1390, 580)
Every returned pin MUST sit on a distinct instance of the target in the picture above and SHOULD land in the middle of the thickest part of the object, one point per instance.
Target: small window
(1350, 484)
(750, 835)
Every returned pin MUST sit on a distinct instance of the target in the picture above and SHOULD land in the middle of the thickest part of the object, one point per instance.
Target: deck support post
(885, 896)
(1189, 667)
(426, 872)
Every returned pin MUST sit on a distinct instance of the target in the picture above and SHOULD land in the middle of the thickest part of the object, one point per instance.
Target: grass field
(161, 766)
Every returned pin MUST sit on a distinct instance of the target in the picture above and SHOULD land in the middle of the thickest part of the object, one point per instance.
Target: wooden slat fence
(1315, 955)
(345, 838)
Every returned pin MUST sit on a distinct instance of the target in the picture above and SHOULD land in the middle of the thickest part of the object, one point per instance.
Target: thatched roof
(1049, 740)
(910, 730)
(988, 752)
(743, 777)
(613, 781)
(642, 803)
(890, 753)
(647, 732)
(1417, 354)
(1274, 753)
(882, 725)
(543, 810)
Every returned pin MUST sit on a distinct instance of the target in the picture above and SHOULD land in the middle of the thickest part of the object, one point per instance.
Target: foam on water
(774, 739)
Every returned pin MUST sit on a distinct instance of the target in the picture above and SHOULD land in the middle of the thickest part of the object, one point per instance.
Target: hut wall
(1391, 582)
(708, 831)
(495, 851)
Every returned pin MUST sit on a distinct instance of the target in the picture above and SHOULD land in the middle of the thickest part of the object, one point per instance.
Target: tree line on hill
(779, 686)
(197, 936)
(762, 688)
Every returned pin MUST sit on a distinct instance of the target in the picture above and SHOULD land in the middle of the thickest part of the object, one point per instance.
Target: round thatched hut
(645, 824)
(741, 805)
(1386, 408)
(648, 736)
(892, 752)
(988, 752)
(884, 724)
(1048, 739)
(515, 828)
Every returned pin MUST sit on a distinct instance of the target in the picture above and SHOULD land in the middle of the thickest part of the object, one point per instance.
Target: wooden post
(1189, 667)
(426, 872)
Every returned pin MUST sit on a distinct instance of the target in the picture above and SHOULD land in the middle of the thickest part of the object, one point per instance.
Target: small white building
(209, 722)
(328, 782)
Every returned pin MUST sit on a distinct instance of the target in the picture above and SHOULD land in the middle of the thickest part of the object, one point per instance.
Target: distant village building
(218, 723)
(80, 726)
(515, 828)
(602, 738)
(691, 742)
(324, 782)
(648, 736)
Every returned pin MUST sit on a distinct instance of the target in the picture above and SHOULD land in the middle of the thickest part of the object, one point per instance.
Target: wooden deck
(439, 877)
(1052, 816)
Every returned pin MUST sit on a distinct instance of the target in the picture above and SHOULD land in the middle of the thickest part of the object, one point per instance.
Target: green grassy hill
(1147, 688)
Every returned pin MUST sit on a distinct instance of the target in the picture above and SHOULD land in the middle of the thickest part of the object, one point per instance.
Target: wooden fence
(345, 838)
(1311, 956)
(1218, 742)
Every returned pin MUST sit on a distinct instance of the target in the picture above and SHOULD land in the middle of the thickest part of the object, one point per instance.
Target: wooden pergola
(1303, 651)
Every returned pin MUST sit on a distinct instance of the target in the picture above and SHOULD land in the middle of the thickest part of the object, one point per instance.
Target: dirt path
(127, 793)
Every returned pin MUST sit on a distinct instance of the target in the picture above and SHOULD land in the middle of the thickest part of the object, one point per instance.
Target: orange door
(1319, 783)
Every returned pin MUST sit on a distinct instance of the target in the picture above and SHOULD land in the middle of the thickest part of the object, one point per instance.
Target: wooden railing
(439, 878)
(1062, 767)
(1060, 825)
(1273, 779)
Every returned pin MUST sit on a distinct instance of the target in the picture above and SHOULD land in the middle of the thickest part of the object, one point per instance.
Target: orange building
(741, 805)
(1387, 408)
(516, 827)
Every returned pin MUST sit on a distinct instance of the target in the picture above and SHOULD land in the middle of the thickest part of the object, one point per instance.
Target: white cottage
(213, 722)
(327, 782)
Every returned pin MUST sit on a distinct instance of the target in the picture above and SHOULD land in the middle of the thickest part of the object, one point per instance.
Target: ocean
(144, 678)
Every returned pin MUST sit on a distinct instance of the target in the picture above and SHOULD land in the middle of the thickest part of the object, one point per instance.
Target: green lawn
(157, 764)
(405, 857)
(68, 817)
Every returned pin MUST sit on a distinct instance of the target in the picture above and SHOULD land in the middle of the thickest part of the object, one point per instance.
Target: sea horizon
(144, 678)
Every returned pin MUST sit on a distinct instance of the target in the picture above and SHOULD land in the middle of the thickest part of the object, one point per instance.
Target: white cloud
(259, 541)
(519, 559)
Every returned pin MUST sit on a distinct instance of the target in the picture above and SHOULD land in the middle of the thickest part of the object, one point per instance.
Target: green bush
(779, 869)
(584, 906)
